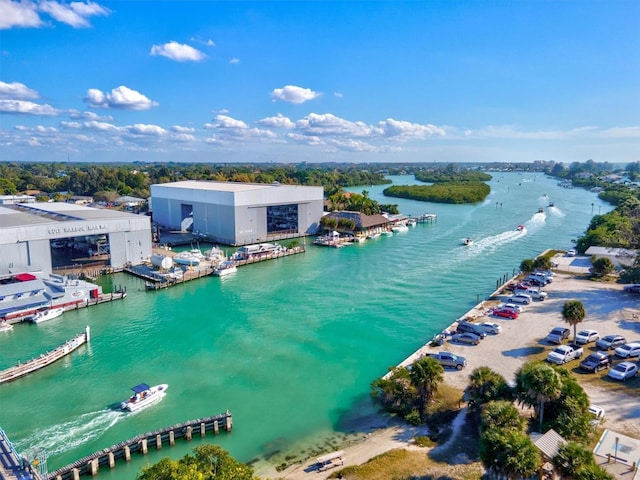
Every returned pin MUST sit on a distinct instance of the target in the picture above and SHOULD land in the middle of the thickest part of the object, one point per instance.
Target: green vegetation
(355, 202)
(449, 192)
(573, 313)
(452, 175)
(209, 462)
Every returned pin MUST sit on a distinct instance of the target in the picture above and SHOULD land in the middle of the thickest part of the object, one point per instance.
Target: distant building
(620, 257)
(13, 199)
(233, 213)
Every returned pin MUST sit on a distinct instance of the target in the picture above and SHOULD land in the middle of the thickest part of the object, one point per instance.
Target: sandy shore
(609, 311)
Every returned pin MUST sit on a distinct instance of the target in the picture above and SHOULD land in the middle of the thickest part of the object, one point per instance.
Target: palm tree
(536, 384)
(426, 374)
(486, 385)
(501, 414)
(571, 458)
(573, 313)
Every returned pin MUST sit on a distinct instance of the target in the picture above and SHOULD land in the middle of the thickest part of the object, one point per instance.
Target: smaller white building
(620, 257)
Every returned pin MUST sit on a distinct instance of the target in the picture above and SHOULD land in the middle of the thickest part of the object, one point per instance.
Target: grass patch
(403, 464)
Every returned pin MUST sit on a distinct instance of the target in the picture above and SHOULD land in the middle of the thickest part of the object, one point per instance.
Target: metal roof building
(238, 213)
(27, 232)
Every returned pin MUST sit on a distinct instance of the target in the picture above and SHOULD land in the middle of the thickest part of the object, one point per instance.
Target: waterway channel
(289, 346)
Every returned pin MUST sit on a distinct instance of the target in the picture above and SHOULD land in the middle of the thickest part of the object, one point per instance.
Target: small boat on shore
(144, 396)
(191, 258)
(5, 326)
(467, 242)
(46, 315)
(225, 268)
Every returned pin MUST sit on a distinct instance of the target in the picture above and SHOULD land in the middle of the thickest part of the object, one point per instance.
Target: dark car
(632, 288)
(595, 362)
(503, 312)
(468, 327)
(558, 335)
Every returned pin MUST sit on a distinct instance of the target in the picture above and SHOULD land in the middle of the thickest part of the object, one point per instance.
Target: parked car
(632, 288)
(628, 350)
(468, 327)
(596, 361)
(623, 371)
(511, 306)
(558, 335)
(564, 353)
(520, 298)
(572, 252)
(448, 359)
(468, 338)
(587, 336)
(492, 328)
(537, 294)
(505, 313)
(609, 342)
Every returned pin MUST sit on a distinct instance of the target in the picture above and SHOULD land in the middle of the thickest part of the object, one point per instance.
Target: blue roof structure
(140, 388)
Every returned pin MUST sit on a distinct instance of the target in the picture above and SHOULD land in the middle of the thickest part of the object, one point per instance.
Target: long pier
(91, 464)
(45, 359)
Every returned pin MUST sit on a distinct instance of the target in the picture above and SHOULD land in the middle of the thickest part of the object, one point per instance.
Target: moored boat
(401, 227)
(144, 396)
(191, 258)
(225, 268)
(45, 315)
(5, 326)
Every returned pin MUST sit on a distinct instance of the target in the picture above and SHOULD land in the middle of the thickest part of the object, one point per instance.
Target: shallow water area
(289, 346)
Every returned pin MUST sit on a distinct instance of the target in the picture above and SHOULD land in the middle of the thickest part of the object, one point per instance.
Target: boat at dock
(191, 258)
(46, 315)
(5, 326)
(144, 396)
(225, 268)
(399, 228)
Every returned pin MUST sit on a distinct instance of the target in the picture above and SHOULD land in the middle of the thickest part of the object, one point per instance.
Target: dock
(45, 359)
(12, 465)
(426, 218)
(107, 457)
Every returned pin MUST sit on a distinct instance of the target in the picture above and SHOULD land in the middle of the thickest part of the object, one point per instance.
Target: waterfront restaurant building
(233, 213)
(31, 234)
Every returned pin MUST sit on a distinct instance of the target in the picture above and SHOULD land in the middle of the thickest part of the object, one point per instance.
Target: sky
(320, 81)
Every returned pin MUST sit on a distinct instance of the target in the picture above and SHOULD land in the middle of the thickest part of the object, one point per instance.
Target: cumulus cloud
(399, 128)
(76, 114)
(293, 94)
(18, 14)
(233, 61)
(143, 129)
(16, 90)
(279, 121)
(231, 128)
(121, 98)
(178, 52)
(180, 129)
(75, 14)
(329, 124)
(26, 108)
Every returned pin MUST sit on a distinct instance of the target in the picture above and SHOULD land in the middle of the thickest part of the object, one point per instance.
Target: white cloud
(328, 124)
(179, 129)
(353, 145)
(305, 139)
(89, 116)
(233, 61)
(399, 128)
(293, 94)
(18, 14)
(121, 98)
(16, 90)
(101, 126)
(210, 43)
(232, 128)
(178, 52)
(142, 129)
(279, 121)
(75, 14)
(337, 94)
(26, 108)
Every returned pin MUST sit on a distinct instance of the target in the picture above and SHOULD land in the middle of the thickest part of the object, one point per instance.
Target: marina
(266, 341)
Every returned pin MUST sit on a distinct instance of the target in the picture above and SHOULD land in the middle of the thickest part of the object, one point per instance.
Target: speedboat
(541, 210)
(551, 204)
(144, 396)
(520, 228)
(49, 314)
(399, 228)
(225, 268)
(467, 241)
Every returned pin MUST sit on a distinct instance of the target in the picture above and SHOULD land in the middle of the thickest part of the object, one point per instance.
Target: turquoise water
(289, 346)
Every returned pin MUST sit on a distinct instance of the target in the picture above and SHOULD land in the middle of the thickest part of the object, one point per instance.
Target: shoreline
(607, 311)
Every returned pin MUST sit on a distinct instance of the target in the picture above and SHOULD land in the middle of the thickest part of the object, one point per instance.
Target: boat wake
(492, 242)
(69, 435)
(556, 212)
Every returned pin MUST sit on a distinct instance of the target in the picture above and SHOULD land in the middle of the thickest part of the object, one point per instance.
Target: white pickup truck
(564, 353)
(534, 293)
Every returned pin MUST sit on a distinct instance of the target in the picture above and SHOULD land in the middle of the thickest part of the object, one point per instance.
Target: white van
(521, 298)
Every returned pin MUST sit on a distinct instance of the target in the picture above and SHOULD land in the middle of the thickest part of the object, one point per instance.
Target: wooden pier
(44, 359)
(91, 464)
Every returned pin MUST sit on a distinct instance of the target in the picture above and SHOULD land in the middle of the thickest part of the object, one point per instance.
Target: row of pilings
(90, 465)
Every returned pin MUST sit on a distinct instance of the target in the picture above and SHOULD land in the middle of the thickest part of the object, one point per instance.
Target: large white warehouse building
(237, 213)
(32, 234)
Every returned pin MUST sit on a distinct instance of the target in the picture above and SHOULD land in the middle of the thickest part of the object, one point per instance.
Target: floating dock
(45, 359)
(91, 464)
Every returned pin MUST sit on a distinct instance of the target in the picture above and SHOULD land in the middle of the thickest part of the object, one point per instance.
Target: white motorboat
(387, 232)
(5, 326)
(400, 228)
(144, 396)
(45, 315)
(192, 257)
(467, 241)
(225, 268)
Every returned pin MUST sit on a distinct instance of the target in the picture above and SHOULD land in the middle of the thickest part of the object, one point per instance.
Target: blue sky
(357, 81)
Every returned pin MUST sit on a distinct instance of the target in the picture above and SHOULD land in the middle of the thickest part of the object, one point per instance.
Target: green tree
(542, 263)
(426, 375)
(571, 458)
(527, 265)
(501, 414)
(573, 313)
(602, 267)
(509, 452)
(536, 384)
(485, 385)
(210, 462)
